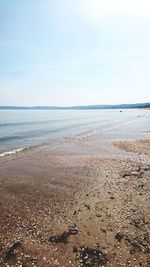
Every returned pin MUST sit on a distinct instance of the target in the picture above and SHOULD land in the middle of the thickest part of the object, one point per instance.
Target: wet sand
(64, 205)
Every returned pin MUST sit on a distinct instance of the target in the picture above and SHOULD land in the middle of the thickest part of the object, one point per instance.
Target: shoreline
(47, 191)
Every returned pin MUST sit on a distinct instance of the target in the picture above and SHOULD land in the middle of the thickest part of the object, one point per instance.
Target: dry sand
(60, 208)
(140, 146)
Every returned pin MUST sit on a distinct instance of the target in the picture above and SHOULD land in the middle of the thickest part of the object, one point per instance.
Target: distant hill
(121, 106)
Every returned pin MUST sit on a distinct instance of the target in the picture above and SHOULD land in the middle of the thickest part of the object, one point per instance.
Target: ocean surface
(20, 129)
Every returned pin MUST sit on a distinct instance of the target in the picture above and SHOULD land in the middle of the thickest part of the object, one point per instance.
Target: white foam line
(116, 127)
(105, 130)
(12, 152)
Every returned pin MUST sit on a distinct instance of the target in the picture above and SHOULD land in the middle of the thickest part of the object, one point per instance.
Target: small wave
(12, 152)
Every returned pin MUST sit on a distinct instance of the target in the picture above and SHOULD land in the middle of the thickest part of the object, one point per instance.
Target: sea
(22, 129)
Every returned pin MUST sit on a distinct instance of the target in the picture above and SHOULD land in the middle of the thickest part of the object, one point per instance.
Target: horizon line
(122, 105)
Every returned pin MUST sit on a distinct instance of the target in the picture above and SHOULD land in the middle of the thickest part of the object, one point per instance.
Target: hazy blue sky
(72, 52)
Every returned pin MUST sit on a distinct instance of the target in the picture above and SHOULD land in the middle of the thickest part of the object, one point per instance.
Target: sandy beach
(74, 133)
(61, 208)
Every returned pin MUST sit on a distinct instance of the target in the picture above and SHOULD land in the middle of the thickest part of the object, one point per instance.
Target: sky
(74, 52)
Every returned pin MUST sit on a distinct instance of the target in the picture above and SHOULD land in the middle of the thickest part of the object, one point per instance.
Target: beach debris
(145, 168)
(62, 238)
(89, 257)
(136, 244)
(98, 215)
(112, 197)
(135, 247)
(141, 186)
(137, 172)
(10, 252)
(25, 223)
(76, 211)
(126, 174)
(103, 230)
(148, 261)
(119, 236)
(87, 206)
(139, 222)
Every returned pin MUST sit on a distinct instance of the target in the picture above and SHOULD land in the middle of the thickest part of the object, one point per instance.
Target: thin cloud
(58, 55)
(97, 10)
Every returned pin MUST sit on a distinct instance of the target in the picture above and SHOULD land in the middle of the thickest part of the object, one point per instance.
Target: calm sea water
(23, 128)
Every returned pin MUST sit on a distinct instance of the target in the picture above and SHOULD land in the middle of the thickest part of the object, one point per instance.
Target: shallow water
(23, 128)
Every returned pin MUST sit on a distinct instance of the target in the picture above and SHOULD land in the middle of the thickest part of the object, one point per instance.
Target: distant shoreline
(89, 107)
